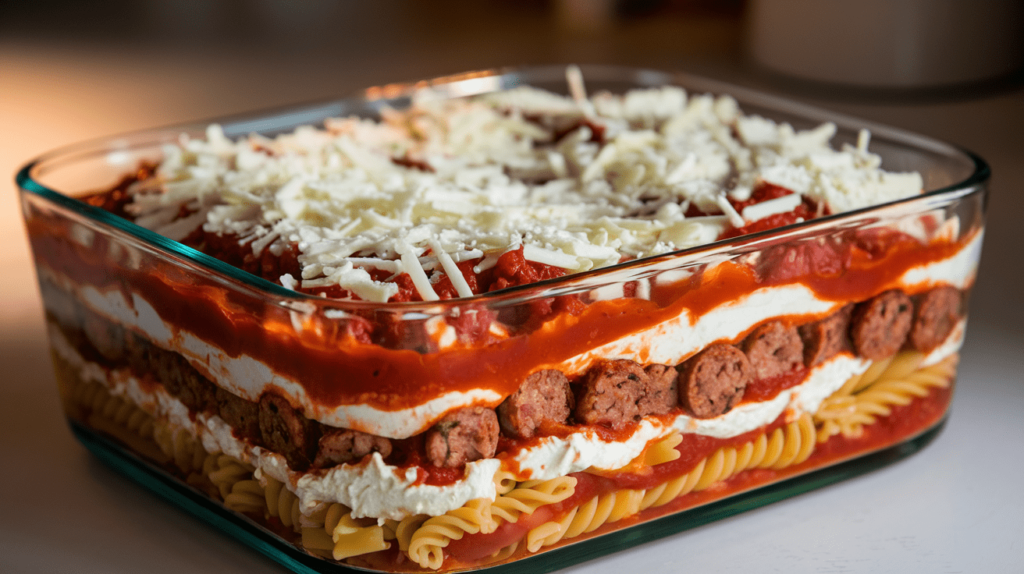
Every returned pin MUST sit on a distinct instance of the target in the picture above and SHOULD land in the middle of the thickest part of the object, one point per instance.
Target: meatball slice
(286, 431)
(181, 379)
(713, 381)
(610, 393)
(826, 338)
(203, 392)
(243, 416)
(660, 394)
(463, 436)
(880, 324)
(107, 337)
(774, 349)
(140, 354)
(544, 398)
(935, 315)
(339, 446)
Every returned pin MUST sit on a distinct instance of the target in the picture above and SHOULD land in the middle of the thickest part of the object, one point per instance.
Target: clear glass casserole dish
(224, 391)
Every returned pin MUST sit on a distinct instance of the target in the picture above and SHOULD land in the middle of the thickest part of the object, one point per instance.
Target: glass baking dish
(142, 326)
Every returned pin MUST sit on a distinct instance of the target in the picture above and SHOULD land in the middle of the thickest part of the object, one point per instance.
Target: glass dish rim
(507, 77)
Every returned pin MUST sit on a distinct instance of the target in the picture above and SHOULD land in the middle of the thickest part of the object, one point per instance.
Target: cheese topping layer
(580, 183)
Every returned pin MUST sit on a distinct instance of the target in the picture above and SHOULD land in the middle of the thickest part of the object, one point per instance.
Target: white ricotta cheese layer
(373, 489)
(669, 342)
(378, 490)
(556, 456)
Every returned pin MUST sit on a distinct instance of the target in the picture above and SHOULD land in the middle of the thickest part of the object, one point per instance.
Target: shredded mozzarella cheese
(580, 182)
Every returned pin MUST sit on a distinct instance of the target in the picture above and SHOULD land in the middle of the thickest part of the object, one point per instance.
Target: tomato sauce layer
(901, 424)
(336, 368)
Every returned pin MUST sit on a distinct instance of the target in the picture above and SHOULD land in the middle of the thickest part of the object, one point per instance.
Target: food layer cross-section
(472, 329)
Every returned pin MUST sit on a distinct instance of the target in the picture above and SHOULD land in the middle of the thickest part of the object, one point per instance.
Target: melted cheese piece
(484, 175)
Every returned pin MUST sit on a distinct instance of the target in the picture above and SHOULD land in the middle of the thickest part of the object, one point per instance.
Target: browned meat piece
(713, 381)
(338, 446)
(880, 325)
(243, 416)
(773, 349)
(824, 339)
(141, 357)
(175, 373)
(201, 392)
(75, 336)
(285, 431)
(661, 394)
(616, 393)
(166, 368)
(463, 436)
(610, 393)
(935, 314)
(544, 398)
(107, 337)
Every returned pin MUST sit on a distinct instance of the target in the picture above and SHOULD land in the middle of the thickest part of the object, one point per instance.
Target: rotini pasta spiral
(663, 451)
(317, 541)
(183, 448)
(352, 537)
(331, 532)
(226, 471)
(427, 544)
(504, 482)
(126, 414)
(281, 503)
(659, 451)
(587, 517)
(246, 496)
(531, 495)
(785, 446)
(91, 396)
(406, 528)
(886, 383)
(117, 416)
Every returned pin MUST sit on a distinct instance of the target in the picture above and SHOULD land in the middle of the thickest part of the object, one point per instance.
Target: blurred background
(70, 71)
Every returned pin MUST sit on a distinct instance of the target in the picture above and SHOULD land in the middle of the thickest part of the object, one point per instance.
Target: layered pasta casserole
(472, 329)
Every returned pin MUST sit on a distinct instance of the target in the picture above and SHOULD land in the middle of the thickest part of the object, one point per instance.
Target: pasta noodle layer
(330, 531)
(887, 383)
(785, 446)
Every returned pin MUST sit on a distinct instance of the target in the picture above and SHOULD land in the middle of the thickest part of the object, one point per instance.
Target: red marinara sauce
(903, 423)
(764, 192)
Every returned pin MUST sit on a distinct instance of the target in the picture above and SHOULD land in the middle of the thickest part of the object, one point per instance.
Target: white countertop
(954, 507)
